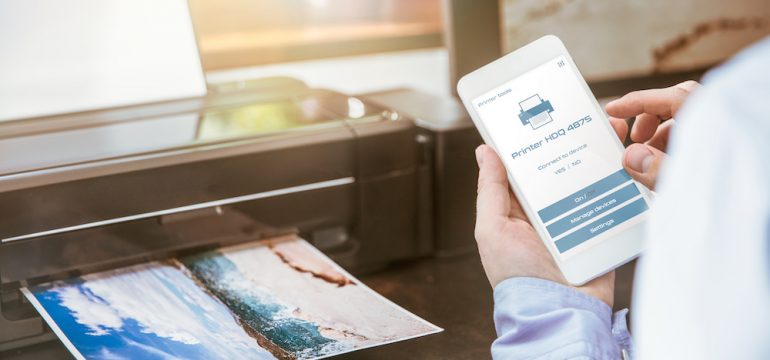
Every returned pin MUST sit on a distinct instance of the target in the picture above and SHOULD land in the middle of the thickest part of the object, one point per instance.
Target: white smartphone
(563, 158)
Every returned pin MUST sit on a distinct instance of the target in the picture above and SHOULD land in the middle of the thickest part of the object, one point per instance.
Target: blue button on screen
(593, 210)
(601, 225)
(583, 195)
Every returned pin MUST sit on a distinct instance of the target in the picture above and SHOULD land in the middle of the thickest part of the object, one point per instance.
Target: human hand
(507, 242)
(650, 131)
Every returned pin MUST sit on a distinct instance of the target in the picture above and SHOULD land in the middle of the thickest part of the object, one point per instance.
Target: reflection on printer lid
(49, 149)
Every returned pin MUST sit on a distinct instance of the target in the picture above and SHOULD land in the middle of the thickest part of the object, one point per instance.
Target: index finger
(620, 126)
(663, 103)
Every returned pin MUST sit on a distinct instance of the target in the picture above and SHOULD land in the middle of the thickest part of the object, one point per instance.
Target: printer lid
(36, 145)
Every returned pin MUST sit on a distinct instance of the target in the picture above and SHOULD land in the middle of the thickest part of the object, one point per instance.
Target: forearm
(537, 318)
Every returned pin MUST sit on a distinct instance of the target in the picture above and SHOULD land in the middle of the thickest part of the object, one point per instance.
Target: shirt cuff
(535, 317)
(621, 334)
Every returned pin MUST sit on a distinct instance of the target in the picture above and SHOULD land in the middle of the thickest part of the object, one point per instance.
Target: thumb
(643, 162)
(493, 200)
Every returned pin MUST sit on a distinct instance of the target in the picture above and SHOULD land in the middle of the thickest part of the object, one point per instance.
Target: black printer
(369, 179)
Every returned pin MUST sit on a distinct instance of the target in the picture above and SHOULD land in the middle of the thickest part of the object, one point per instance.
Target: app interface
(565, 161)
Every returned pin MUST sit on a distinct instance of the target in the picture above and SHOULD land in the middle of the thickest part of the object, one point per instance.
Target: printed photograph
(279, 298)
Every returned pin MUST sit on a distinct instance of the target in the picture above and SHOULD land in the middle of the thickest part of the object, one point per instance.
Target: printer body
(370, 180)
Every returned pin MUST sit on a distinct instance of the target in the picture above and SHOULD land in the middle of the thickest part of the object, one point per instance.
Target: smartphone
(563, 158)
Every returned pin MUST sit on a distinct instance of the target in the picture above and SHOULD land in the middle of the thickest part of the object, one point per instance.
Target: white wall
(66, 56)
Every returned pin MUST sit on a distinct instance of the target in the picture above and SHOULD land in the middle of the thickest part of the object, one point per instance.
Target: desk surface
(453, 293)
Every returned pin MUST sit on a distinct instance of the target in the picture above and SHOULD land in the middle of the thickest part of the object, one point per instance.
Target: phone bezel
(615, 247)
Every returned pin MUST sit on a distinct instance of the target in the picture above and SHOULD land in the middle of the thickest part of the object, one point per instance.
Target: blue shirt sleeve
(540, 319)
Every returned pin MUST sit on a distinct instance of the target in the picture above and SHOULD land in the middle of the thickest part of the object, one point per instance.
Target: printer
(369, 179)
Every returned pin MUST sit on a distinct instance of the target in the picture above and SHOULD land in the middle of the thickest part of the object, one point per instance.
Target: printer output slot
(87, 248)
(167, 212)
(185, 232)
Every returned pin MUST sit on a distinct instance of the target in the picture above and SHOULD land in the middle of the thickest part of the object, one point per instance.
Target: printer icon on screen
(535, 111)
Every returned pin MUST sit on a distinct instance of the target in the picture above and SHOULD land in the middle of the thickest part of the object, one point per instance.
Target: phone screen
(562, 154)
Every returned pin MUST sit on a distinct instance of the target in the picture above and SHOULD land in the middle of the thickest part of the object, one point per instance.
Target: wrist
(602, 295)
(600, 289)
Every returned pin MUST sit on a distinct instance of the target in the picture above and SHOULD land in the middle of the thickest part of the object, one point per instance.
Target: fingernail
(480, 155)
(638, 157)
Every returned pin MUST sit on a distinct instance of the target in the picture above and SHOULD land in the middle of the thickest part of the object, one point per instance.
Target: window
(236, 33)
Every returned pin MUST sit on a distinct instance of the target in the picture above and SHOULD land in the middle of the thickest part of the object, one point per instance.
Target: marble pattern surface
(615, 39)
